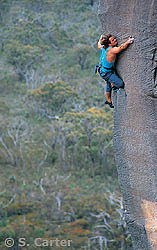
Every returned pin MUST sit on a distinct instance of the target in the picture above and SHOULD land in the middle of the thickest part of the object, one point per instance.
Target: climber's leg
(105, 76)
(108, 100)
(115, 81)
(108, 91)
(108, 96)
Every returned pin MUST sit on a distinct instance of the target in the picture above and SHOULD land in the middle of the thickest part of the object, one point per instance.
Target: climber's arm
(100, 46)
(99, 43)
(116, 50)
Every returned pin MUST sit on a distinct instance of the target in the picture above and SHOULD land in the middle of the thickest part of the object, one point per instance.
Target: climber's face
(113, 41)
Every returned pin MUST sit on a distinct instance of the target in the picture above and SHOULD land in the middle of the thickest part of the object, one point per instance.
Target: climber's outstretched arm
(116, 50)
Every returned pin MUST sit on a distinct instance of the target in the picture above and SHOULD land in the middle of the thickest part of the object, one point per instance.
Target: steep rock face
(135, 115)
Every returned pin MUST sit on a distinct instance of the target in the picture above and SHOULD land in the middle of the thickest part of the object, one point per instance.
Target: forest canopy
(58, 175)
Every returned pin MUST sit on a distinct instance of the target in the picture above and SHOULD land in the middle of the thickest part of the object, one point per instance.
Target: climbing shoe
(110, 104)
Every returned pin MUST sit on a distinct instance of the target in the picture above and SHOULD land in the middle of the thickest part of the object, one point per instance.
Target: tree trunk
(135, 115)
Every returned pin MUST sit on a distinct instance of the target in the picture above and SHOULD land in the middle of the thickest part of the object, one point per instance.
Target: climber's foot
(110, 104)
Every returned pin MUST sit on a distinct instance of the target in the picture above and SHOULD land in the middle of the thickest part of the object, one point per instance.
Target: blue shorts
(111, 77)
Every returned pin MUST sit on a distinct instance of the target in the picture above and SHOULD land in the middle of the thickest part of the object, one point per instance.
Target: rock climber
(109, 49)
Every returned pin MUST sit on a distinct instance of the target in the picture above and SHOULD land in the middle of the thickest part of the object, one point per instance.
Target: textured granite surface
(135, 114)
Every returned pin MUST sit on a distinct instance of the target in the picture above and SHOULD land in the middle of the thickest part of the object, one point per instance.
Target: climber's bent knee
(116, 81)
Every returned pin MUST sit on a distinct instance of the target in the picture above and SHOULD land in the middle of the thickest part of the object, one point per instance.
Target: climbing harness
(98, 67)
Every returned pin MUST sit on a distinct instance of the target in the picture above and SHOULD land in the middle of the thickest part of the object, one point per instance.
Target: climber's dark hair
(105, 39)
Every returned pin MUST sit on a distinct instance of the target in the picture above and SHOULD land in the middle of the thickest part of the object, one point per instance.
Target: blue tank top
(103, 60)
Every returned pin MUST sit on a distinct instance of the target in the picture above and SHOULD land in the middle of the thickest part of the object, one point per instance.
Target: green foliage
(91, 133)
(22, 57)
(56, 97)
(58, 176)
(4, 107)
(82, 52)
(84, 212)
(5, 5)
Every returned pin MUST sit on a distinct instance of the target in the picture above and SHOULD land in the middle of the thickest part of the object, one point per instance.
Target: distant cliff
(135, 115)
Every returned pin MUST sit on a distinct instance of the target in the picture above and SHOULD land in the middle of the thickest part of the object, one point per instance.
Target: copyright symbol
(9, 242)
